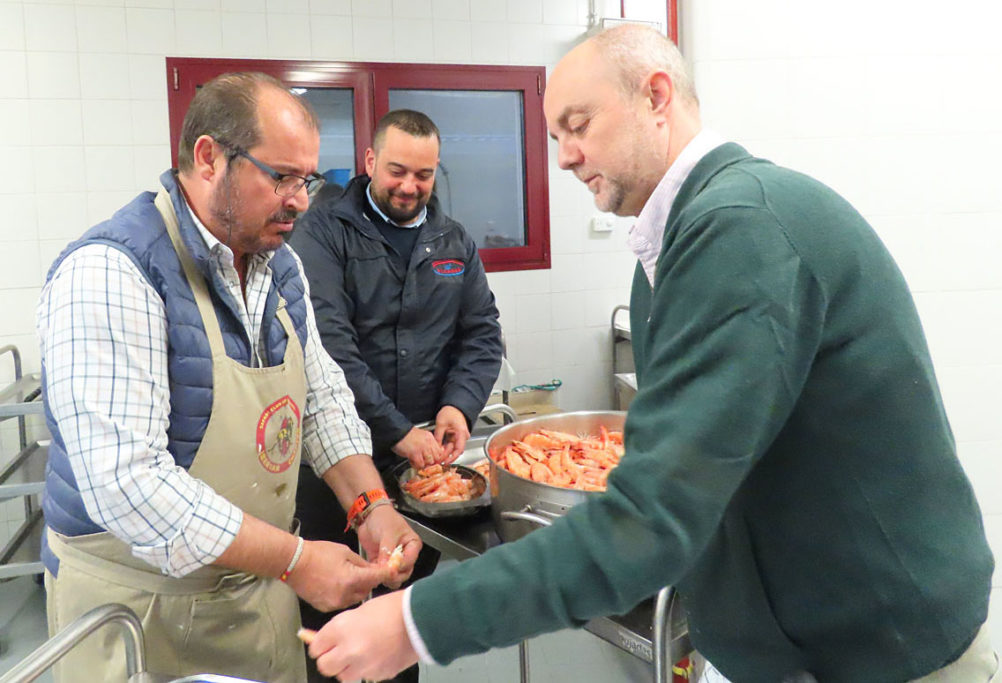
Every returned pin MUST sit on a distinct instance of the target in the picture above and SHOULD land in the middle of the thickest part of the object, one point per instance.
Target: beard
(612, 200)
(225, 206)
(400, 216)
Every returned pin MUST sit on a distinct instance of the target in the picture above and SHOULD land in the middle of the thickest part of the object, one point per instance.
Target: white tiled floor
(565, 656)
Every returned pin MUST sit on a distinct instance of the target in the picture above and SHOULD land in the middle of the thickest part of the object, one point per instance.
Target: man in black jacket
(403, 305)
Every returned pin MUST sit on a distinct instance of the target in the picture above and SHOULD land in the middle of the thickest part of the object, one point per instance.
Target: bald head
(630, 52)
(621, 107)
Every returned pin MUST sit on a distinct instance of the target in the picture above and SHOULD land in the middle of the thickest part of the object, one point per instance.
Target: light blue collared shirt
(413, 224)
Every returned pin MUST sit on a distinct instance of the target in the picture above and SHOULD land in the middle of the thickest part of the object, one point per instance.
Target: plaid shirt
(103, 332)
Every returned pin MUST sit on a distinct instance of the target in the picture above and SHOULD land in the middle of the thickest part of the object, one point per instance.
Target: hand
(383, 530)
(369, 642)
(451, 431)
(420, 447)
(330, 576)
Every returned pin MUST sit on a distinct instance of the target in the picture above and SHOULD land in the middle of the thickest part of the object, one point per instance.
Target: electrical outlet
(602, 223)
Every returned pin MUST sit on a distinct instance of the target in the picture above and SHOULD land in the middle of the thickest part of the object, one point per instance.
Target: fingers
(369, 642)
(459, 442)
(440, 429)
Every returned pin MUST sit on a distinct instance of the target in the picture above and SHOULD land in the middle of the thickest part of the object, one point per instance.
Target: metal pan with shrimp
(443, 490)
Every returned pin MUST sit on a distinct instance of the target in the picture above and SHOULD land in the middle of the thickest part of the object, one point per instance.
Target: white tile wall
(13, 74)
(288, 6)
(372, 8)
(199, 32)
(331, 37)
(19, 215)
(107, 122)
(456, 10)
(489, 42)
(16, 173)
(371, 38)
(525, 11)
(412, 9)
(12, 27)
(58, 169)
(241, 29)
(894, 105)
(452, 44)
(150, 31)
(21, 266)
(561, 12)
(488, 11)
(101, 29)
(147, 74)
(288, 35)
(410, 40)
(52, 74)
(102, 75)
(15, 115)
(50, 27)
(243, 5)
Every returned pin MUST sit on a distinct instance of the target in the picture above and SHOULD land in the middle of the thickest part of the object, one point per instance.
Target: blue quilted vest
(138, 231)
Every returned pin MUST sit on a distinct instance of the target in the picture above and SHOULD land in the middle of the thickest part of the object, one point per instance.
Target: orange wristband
(364, 501)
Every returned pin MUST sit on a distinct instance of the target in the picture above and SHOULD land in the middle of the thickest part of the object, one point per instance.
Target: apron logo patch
(278, 435)
(448, 267)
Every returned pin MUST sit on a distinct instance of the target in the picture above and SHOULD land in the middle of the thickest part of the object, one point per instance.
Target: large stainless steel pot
(520, 505)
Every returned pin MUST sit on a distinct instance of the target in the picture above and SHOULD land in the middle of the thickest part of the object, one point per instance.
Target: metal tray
(404, 473)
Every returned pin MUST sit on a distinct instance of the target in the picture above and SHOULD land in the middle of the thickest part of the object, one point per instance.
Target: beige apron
(213, 620)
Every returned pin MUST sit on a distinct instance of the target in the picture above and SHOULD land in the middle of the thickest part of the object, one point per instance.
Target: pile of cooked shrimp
(438, 484)
(562, 459)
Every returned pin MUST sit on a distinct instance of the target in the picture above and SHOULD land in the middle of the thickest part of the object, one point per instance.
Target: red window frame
(371, 83)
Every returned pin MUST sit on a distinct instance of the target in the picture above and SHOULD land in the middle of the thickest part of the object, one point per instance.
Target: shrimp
(562, 459)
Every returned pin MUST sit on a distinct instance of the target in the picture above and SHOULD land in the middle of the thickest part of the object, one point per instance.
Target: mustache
(285, 216)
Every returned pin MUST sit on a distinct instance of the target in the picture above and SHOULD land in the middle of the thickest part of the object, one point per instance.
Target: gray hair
(634, 50)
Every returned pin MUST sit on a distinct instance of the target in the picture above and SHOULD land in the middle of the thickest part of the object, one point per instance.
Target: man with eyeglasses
(404, 307)
(184, 378)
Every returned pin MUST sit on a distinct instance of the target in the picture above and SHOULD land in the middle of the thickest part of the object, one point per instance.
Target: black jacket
(411, 341)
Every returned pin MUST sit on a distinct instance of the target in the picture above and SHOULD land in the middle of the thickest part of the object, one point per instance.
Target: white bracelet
(295, 559)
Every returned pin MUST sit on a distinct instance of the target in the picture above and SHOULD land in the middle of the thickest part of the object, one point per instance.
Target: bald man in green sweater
(789, 466)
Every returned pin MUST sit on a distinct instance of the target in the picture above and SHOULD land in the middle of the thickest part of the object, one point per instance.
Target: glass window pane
(481, 181)
(336, 110)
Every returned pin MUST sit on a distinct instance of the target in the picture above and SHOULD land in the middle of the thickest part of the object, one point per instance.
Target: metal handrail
(52, 650)
(661, 636)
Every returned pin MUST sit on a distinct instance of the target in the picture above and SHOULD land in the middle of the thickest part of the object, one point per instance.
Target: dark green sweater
(789, 466)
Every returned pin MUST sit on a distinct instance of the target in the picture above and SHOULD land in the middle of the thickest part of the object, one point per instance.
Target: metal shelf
(21, 554)
(24, 476)
(624, 381)
(24, 391)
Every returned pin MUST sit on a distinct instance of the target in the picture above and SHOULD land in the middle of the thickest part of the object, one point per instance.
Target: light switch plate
(602, 223)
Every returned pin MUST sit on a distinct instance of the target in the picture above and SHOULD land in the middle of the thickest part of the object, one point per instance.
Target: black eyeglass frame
(313, 183)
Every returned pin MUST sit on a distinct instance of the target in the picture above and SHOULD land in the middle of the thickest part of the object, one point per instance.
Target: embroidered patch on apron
(278, 434)
(448, 267)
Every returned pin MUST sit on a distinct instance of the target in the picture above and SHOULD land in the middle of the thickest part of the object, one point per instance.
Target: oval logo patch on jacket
(448, 267)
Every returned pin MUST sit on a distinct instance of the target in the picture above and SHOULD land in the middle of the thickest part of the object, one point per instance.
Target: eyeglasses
(286, 184)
